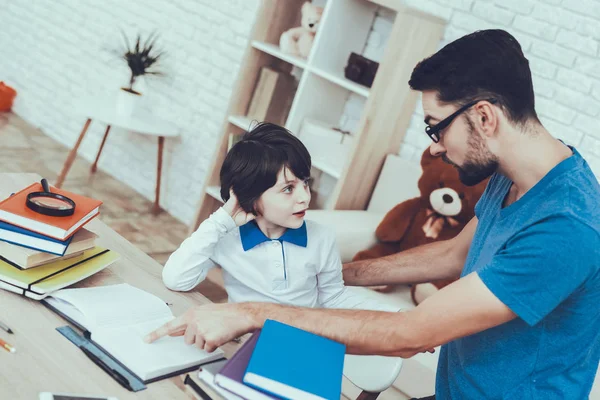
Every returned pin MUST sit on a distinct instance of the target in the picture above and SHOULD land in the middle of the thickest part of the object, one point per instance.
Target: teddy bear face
(447, 195)
(311, 16)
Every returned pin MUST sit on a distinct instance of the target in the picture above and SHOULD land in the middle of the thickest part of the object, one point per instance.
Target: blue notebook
(25, 238)
(294, 364)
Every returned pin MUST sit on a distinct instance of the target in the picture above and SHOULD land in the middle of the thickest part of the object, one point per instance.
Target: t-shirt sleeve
(542, 266)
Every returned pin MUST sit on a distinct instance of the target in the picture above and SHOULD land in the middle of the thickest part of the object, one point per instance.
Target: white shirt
(270, 270)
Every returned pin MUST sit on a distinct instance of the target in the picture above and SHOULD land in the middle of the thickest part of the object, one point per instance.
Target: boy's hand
(240, 217)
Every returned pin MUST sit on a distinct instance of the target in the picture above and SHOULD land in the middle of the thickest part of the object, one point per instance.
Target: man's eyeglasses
(434, 131)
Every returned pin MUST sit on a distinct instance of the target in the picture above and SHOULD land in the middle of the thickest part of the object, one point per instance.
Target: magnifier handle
(45, 185)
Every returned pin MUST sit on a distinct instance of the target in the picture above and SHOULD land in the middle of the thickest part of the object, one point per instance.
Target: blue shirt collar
(252, 236)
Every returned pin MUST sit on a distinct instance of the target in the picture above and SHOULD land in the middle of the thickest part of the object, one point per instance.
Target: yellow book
(38, 282)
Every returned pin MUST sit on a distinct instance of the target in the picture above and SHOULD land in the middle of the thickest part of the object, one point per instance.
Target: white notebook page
(119, 316)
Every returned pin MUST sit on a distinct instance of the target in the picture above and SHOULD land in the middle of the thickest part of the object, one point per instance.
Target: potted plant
(142, 59)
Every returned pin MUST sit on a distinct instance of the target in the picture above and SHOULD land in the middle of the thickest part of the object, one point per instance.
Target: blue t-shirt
(540, 256)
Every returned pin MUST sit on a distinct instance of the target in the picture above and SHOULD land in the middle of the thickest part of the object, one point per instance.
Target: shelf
(240, 121)
(395, 5)
(341, 81)
(244, 123)
(276, 52)
(301, 63)
(323, 91)
(328, 169)
(214, 192)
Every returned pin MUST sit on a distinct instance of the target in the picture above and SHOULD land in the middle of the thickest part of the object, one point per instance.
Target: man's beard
(479, 164)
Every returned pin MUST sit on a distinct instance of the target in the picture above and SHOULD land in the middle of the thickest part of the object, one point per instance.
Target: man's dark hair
(252, 164)
(484, 64)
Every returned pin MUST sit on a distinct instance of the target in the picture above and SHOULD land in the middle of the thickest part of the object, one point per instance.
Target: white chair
(355, 231)
(372, 374)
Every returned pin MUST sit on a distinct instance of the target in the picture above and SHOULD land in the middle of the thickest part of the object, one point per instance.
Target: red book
(14, 210)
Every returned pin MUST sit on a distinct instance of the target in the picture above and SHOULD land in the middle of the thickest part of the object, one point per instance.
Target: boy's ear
(256, 209)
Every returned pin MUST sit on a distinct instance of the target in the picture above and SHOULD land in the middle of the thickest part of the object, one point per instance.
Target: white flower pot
(127, 102)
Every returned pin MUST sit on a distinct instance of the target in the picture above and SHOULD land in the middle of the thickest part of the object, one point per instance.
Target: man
(523, 320)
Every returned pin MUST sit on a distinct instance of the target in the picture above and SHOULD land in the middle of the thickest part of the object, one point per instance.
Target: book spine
(12, 288)
(48, 259)
(263, 95)
(12, 264)
(35, 248)
(66, 268)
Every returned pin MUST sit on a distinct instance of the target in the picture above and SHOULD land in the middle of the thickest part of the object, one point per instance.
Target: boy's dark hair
(252, 164)
(484, 64)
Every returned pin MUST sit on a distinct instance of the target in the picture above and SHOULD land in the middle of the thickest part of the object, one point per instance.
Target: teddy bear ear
(306, 6)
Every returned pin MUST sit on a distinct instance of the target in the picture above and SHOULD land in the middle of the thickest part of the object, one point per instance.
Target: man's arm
(431, 262)
(463, 308)
(330, 283)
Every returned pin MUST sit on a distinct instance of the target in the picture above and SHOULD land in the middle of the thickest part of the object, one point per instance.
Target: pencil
(7, 346)
(5, 327)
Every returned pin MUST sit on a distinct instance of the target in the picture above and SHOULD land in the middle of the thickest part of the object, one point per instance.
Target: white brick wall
(55, 53)
(560, 39)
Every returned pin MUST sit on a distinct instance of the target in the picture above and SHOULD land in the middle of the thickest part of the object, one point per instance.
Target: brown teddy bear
(445, 206)
(298, 41)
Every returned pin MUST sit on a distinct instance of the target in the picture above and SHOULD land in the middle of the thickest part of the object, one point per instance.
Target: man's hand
(208, 326)
(233, 208)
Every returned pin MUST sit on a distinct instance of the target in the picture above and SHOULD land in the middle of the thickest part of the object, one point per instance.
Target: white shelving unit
(276, 52)
(214, 192)
(240, 121)
(323, 91)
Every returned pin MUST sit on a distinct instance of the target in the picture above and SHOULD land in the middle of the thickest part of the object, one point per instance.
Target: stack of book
(40, 253)
(279, 361)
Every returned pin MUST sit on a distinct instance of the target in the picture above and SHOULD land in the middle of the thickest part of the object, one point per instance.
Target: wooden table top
(47, 361)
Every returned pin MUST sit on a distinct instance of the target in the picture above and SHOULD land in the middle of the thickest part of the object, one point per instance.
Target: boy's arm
(189, 264)
(332, 291)
(431, 262)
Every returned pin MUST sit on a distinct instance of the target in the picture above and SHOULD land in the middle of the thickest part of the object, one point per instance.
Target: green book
(39, 282)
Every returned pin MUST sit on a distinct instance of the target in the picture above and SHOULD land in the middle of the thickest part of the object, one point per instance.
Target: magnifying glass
(48, 203)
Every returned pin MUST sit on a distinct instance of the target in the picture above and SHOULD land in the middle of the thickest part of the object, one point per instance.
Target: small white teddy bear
(298, 41)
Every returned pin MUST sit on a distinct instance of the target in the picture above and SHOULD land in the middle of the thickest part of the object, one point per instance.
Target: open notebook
(118, 317)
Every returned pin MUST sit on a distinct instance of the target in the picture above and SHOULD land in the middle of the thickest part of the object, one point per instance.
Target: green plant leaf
(141, 56)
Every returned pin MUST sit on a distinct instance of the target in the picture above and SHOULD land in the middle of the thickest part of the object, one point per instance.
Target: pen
(7, 346)
(5, 327)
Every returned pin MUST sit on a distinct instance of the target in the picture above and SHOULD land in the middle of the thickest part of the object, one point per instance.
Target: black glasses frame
(434, 131)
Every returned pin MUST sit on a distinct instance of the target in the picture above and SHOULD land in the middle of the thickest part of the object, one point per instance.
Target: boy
(259, 237)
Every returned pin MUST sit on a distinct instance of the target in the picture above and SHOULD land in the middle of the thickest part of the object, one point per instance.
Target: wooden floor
(24, 148)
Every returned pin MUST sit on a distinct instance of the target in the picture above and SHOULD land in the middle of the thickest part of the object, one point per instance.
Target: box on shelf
(272, 97)
(327, 145)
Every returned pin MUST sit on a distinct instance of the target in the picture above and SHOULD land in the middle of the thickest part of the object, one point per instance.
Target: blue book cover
(32, 240)
(296, 364)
